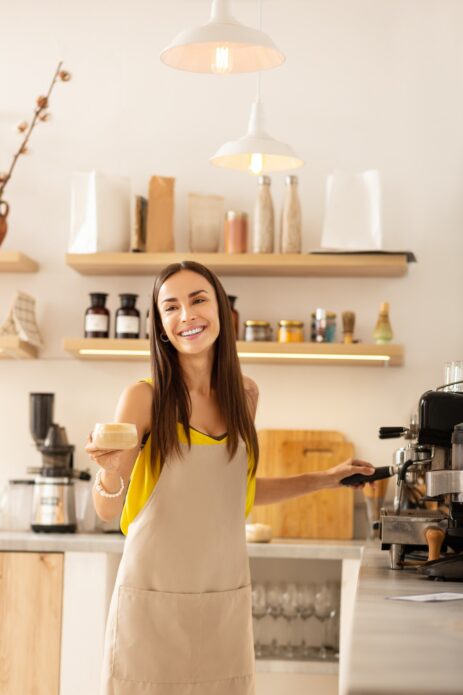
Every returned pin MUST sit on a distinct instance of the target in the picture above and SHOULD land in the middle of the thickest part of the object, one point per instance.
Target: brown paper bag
(160, 226)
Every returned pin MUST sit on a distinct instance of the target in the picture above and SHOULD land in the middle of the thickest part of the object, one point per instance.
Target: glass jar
(257, 331)
(323, 326)
(236, 232)
(127, 317)
(96, 323)
(290, 332)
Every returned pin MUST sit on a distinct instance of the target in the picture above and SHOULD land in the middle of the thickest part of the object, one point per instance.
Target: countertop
(400, 647)
(114, 543)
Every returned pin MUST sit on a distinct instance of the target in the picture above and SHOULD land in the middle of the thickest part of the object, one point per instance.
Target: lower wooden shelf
(13, 348)
(358, 354)
(17, 262)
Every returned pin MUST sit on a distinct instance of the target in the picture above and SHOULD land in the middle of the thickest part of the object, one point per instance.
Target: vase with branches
(41, 114)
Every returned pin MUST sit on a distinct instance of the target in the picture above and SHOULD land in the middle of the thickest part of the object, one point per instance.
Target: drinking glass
(259, 611)
(325, 605)
(374, 494)
(305, 610)
(290, 613)
(274, 611)
(454, 373)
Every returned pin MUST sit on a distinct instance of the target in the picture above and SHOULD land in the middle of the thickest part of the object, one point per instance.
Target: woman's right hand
(109, 459)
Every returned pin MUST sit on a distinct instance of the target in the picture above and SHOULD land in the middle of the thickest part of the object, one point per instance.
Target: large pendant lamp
(222, 46)
(256, 152)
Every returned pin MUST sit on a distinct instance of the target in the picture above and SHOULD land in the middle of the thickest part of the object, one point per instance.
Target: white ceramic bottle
(264, 219)
(291, 218)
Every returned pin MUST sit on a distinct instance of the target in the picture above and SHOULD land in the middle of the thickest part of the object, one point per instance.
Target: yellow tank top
(144, 478)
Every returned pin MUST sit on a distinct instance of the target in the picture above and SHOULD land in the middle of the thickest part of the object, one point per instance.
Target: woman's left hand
(349, 467)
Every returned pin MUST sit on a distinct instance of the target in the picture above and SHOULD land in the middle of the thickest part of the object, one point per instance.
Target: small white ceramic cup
(115, 435)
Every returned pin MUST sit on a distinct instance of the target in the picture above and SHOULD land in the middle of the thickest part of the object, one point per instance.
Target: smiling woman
(180, 619)
(193, 329)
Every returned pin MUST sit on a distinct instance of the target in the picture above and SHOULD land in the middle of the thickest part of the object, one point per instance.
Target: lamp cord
(260, 29)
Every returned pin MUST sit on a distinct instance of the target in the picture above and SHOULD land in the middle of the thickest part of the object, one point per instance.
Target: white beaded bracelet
(100, 489)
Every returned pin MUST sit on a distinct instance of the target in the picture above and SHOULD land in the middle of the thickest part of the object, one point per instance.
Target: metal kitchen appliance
(53, 503)
(430, 464)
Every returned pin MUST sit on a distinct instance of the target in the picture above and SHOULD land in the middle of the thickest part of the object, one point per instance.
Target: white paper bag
(353, 212)
(100, 213)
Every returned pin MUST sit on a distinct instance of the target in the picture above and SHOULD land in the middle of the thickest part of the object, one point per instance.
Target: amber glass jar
(235, 315)
(96, 323)
(290, 332)
(127, 317)
(257, 330)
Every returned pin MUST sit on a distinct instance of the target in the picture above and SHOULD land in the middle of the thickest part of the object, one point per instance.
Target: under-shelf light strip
(259, 355)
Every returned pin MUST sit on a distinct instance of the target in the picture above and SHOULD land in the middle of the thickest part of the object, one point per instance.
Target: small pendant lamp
(222, 46)
(256, 152)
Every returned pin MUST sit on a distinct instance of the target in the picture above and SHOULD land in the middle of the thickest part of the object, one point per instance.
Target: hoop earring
(164, 337)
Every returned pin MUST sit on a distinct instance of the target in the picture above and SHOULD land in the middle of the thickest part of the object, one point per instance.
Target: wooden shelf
(245, 264)
(17, 262)
(359, 354)
(12, 348)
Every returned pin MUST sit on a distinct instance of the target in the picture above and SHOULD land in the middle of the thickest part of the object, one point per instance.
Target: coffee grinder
(53, 504)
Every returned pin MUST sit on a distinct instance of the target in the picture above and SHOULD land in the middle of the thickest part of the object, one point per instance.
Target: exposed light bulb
(222, 63)
(256, 165)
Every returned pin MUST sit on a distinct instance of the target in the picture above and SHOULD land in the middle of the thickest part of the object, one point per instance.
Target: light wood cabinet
(31, 589)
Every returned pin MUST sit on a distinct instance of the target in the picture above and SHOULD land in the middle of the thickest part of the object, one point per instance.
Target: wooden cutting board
(327, 514)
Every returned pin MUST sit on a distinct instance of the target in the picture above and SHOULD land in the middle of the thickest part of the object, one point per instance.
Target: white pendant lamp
(222, 46)
(256, 152)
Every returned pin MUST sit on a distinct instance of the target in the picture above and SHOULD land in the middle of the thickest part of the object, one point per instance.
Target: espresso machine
(53, 503)
(427, 511)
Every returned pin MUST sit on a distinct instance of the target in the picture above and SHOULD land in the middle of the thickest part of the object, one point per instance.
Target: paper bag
(160, 226)
(100, 213)
(353, 212)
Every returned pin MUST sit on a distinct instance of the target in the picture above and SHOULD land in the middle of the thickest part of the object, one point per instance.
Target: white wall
(366, 84)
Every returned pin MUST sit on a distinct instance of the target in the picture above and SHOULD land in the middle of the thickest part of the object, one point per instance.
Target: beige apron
(180, 620)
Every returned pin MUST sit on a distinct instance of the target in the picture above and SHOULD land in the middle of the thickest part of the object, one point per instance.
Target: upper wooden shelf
(17, 262)
(13, 348)
(358, 354)
(250, 264)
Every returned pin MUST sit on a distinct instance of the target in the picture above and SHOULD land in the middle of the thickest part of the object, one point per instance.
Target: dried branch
(42, 105)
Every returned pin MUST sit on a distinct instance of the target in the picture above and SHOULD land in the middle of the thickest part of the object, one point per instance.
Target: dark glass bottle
(96, 323)
(127, 317)
(147, 325)
(235, 315)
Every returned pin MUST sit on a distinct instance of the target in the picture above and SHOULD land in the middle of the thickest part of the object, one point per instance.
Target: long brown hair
(171, 400)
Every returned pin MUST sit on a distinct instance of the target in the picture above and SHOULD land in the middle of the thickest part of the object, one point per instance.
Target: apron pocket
(167, 637)
(226, 638)
(156, 636)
